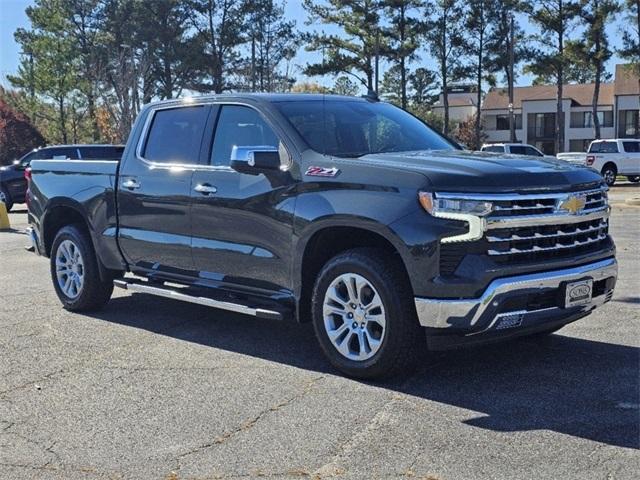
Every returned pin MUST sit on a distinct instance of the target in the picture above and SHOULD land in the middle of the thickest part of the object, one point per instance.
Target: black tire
(609, 173)
(94, 293)
(403, 339)
(6, 198)
(634, 178)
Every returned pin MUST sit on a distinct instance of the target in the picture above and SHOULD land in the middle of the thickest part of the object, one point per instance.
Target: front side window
(243, 127)
(518, 150)
(532, 152)
(175, 135)
(357, 128)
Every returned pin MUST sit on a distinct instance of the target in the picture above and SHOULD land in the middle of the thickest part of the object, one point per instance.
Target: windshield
(345, 128)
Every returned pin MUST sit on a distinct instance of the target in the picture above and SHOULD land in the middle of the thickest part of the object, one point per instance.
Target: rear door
(242, 223)
(154, 190)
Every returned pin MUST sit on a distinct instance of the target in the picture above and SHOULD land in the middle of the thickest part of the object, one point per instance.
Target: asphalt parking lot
(150, 388)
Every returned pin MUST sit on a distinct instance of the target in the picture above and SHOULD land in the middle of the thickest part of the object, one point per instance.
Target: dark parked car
(13, 184)
(346, 212)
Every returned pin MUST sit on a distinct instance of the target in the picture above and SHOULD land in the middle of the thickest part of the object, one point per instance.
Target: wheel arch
(327, 240)
(64, 212)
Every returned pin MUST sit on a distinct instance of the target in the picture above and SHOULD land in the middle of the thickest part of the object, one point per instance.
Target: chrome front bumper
(491, 310)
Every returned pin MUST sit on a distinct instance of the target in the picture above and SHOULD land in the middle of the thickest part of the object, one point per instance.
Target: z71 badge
(322, 172)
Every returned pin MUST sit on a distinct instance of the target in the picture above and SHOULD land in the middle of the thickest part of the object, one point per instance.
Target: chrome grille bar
(559, 233)
(549, 219)
(558, 246)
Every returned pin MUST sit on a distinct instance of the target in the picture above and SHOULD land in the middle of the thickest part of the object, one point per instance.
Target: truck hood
(462, 171)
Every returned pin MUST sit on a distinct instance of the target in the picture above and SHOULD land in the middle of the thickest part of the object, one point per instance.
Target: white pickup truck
(611, 158)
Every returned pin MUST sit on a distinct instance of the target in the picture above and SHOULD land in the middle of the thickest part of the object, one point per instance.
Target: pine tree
(555, 20)
(355, 51)
(403, 33)
(479, 26)
(445, 36)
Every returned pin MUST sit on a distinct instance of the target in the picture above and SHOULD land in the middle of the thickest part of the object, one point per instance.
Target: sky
(12, 17)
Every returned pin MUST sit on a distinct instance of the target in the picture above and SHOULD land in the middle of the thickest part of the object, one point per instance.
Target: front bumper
(518, 302)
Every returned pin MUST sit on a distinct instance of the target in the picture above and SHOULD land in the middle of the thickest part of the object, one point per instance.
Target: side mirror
(255, 159)
(18, 165)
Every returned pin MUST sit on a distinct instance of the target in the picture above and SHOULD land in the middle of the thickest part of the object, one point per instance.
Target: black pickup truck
(345, 212)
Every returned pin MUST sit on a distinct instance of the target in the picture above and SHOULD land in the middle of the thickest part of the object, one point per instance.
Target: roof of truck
(262, 97)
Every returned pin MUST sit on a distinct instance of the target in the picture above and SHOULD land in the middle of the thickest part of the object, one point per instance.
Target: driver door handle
(131, 183)
(205, 189)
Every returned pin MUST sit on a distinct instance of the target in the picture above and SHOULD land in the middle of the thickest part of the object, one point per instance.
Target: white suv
(611, 158)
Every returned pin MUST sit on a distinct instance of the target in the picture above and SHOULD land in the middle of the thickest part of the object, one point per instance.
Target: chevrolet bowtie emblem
(573, 204)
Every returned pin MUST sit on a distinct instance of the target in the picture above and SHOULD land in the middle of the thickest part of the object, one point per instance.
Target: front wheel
(74, 271)
(634, 179)
(364, 317)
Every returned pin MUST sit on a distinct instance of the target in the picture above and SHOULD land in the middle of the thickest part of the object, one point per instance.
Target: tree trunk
(62, 120)
(510, 81)
(479, 87)
(93, 118)
(403, 71)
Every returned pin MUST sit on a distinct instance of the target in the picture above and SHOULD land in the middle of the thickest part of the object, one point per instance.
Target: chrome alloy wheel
(354, 317)
(609, 176)
(69, 269)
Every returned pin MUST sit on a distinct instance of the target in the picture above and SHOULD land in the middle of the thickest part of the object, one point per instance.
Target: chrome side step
(166, 292)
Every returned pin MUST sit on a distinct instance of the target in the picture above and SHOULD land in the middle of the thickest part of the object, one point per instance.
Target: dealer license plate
(578, 293)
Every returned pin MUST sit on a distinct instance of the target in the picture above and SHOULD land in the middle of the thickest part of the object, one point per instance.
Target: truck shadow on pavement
(577, 387)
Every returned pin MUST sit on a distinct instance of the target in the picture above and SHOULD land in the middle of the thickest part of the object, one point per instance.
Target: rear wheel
(74, 271)
(609, 172)
(634, 179)
(5, 198)
(363, 315)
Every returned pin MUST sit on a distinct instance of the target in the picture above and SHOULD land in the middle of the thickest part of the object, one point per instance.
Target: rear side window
(175, 135)
(493, 148)
(241, 126)
(101, 153)
(631, 147)
(604, 147)
(518, 150)
(60, 153)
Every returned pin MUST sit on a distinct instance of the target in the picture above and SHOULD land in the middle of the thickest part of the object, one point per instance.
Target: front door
(154, 198)
(242, 223)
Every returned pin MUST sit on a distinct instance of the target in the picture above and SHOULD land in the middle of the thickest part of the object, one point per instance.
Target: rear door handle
(205, 189)
(131, 184)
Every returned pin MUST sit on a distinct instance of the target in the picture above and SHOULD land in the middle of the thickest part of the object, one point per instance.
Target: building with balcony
(535, 113)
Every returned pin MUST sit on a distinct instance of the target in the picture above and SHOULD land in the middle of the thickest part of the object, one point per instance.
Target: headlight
(465, 210)
(435, 204)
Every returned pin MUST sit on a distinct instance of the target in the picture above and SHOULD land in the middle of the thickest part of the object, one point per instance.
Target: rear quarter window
(495, 149)
(101, 153)
(604, 147)
(175, 135)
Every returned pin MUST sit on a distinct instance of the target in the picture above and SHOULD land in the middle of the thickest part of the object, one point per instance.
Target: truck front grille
(547, 240)
(533, 228)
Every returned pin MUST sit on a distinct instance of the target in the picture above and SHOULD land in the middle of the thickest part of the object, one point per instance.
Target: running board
(161, 291)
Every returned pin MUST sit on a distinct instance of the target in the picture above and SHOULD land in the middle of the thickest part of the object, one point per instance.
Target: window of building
(585, 119)
(175, 135)
(628, 124)
(502, 121)
(579, 145)
(541, 125)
